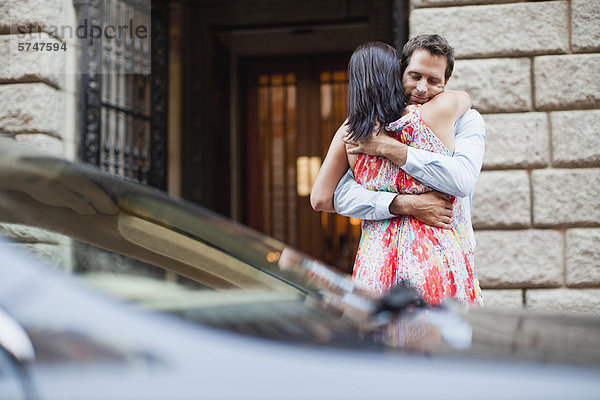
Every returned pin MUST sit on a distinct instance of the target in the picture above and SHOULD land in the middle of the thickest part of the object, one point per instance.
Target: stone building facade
(39, 98)
(532, 69)
(39, 89)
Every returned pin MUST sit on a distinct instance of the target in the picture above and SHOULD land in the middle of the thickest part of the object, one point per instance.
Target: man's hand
(432, 208)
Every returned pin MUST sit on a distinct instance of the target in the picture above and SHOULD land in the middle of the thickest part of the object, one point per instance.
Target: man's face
(424, 76)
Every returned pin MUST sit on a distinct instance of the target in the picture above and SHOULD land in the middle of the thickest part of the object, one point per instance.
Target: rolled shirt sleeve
(455, 175)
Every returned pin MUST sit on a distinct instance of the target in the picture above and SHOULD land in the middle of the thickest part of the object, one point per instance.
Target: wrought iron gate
(124, 88)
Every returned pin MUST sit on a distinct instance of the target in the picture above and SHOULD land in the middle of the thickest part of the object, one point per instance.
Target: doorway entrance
(293, 108)
(262, 92)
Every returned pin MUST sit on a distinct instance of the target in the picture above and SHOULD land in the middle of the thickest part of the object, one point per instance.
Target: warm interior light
(302, 176)
(307, 169)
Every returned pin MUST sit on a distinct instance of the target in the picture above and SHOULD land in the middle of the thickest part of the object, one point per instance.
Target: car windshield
(138, 244)
(144, 224)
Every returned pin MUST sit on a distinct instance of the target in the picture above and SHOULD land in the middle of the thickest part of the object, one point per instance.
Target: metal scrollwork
(124, 88)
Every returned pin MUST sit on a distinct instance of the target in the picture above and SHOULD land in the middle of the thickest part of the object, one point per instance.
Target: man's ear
(447, 80)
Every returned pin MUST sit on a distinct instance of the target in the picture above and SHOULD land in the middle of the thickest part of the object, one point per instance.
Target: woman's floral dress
(438, 262)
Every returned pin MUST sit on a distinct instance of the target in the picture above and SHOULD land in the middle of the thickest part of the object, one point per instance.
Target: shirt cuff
(409, 165)
(382, 205)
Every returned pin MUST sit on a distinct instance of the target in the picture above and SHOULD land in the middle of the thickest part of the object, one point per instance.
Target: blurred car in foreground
(166, 300)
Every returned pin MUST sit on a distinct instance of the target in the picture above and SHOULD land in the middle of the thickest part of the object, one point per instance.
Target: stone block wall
(532, 69)
(39, 100)
(38, 88)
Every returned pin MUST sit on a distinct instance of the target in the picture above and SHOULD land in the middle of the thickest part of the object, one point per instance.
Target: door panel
(340, 234)
(277, 138)
(294, 108)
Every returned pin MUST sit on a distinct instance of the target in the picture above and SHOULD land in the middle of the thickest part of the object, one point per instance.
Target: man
(428, 61)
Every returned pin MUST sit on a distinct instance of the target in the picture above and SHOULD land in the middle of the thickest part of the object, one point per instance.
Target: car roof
(132, 219)
(136, 220)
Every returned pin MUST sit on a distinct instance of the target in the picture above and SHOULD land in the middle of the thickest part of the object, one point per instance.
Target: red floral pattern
(436, 261)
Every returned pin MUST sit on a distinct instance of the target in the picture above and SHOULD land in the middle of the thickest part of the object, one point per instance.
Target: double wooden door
(294, 107)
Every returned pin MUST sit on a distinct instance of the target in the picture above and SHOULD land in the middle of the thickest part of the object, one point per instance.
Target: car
(162, 299)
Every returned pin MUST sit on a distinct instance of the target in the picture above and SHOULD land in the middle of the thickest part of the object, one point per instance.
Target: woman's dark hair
(375, 89)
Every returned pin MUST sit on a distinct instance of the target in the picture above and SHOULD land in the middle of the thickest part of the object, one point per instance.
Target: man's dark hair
(375, 89)
(435, 45)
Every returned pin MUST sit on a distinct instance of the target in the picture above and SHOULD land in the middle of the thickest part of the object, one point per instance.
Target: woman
(436, 261)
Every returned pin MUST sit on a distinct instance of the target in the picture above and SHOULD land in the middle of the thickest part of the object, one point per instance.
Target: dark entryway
(293, 106)
(263, 91)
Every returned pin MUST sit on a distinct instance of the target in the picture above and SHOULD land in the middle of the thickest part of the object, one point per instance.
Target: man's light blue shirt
(455, 175)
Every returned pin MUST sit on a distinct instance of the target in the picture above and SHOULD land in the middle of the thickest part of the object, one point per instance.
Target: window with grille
(123, 88)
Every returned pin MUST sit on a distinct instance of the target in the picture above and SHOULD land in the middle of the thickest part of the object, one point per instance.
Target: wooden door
(294, 107)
